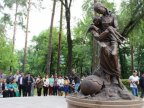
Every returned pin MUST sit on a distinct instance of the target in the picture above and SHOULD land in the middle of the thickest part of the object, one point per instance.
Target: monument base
(75, 102)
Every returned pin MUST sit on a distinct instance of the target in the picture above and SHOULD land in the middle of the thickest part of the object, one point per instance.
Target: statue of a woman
(106, 34)
(105, 83)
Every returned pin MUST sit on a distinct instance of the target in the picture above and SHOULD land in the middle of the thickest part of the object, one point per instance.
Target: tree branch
(70, 3)
(62, 3)
(132, 23)
(137, 15)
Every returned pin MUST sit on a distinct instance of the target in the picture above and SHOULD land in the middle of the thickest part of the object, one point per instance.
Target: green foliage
(82, 44)
(6, 55)
(131, 11)
(124, 55)
(126, 83)
(131, 23)
(10, 3)
(82, 47)
(1, 29)
(5, 20)
(37, 53)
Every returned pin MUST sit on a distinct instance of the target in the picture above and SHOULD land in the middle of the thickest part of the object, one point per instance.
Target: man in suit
(28, 84)
(21, 84)
(16, 76)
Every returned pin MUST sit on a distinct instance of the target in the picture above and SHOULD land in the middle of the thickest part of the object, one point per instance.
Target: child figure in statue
(115, 36)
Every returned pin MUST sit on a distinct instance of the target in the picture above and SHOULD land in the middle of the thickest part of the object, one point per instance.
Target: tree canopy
(130, 20)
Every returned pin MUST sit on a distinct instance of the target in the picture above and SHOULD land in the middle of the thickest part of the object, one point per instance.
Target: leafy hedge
(126, 83)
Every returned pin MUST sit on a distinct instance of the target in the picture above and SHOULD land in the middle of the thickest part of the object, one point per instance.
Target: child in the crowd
(66, 86)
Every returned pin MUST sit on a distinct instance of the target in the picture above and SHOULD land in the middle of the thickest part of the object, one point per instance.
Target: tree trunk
(132, 61)
(81, 70)
(26, 37)
(50, 40)
(14, 30)
(59, 44)
(52, 63)
(139, 58)
(15, 24)
(69, 41)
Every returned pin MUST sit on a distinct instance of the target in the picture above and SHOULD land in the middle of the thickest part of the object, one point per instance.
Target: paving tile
(33, 102)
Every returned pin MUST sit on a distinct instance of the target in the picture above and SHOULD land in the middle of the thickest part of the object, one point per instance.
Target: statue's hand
(110, 28)
(92, 27)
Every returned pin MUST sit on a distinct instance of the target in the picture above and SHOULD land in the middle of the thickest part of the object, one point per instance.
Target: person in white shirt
(134, 81)
(16, 76)
(60, 84)
(46, 85)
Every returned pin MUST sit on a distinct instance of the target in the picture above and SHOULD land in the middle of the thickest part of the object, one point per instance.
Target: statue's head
(96, 20)
(100, 8)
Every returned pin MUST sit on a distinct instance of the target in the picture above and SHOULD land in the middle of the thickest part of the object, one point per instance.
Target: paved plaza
(34, 102)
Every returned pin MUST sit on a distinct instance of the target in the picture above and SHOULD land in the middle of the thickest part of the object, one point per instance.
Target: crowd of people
(21, 84)
(137, 82)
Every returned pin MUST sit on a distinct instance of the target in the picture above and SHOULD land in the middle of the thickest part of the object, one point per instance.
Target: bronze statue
(109, 54)
(107, 76)
(104, 88)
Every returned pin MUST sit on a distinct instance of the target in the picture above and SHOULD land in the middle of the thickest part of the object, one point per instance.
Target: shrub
(126, 83)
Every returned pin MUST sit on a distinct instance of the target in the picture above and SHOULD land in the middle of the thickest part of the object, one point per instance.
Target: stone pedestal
(75, 102)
